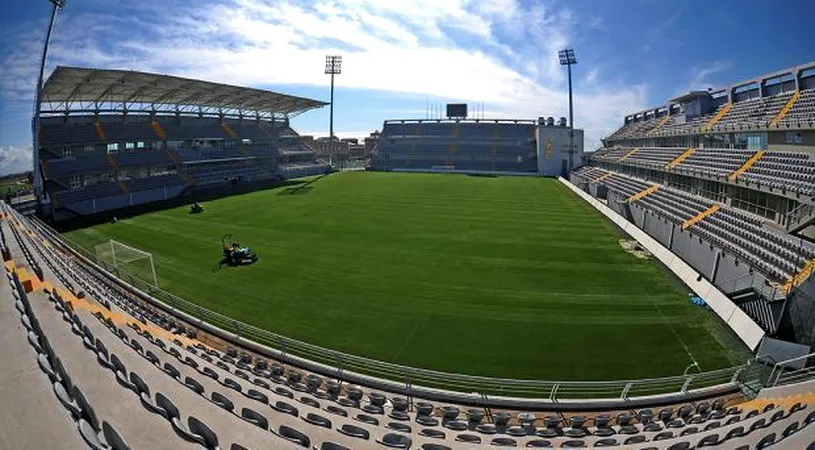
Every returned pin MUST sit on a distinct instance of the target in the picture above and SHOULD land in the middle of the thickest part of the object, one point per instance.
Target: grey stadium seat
(201, 429)
(293, 435)
(223, 401)
(430, 446)
(332, 446)
(317, 420)
(255, 418)
(504, 442)
(396, 440)
(354, 431)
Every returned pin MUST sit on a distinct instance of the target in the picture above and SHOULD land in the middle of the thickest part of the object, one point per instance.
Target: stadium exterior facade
(112, 139)
(725, 179)
(515, 147)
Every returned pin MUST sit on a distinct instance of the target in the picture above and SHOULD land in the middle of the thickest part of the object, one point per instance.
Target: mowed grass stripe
(510, 277)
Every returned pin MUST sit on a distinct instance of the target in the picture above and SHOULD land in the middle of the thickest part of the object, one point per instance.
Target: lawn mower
(196, 208)
(235, 254)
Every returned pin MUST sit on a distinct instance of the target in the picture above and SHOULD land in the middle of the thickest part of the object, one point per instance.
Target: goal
(129, 262)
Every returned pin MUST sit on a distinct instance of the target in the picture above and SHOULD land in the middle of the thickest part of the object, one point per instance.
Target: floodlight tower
(567, 59)
(333, 66)
(37, 172)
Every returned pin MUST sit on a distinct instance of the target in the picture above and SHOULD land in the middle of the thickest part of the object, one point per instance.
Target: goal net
(129, 262)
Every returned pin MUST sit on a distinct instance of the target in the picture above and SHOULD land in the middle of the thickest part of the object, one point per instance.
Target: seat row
(786, 171)
(779, 256)
(97, 435)
(751, 114)
(756, 112)
(75, 343)
(59, 135)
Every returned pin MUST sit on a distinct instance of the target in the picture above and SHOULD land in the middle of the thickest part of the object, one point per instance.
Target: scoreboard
(457, 110)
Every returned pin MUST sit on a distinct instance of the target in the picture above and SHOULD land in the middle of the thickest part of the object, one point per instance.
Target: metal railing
(792, 371)
(759, 284)
(798, 215)
(411, 381)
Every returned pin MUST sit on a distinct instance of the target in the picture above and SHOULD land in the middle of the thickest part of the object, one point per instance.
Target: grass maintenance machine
(235, 254)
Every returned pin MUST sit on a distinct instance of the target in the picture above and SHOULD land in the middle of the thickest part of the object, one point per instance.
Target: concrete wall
(744, 327)
(638, 215)
(553, 148)
(597, 190)
(617, 203)
(800, 316)
(733, 275)
(659, 228)
(730, 276)
(115, 202)
(695, 252)
(777, 141)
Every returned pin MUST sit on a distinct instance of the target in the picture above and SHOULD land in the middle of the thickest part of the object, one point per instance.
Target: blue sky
(399, 56)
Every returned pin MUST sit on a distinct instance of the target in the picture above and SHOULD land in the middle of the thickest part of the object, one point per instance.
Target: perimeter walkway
(28, 401)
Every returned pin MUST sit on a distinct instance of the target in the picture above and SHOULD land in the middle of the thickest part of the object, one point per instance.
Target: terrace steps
(229, 132)
(494, 150)
(701, 216)
(659, 125)
(785, 109)
(111, 162)
(806, 398)
(715, 119)
(678, 160)
(32, 284)
(100, 131)
(799, 277)
(174, 156)
(158, 130)
(629, 154)
(602, 177)
(265, 131)
(747, 164)
(643, 193)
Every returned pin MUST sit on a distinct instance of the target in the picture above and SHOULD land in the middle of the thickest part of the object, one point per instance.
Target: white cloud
(701, 74)
(14, 159)
(591, 77)
(447, 49)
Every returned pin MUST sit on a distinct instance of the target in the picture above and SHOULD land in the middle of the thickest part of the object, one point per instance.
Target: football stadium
(193, 273)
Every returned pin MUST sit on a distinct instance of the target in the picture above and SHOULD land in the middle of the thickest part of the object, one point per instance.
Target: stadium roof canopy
(102, 90)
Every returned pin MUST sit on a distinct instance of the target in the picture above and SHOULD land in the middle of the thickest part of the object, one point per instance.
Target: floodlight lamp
(333, 64)
(567, 57)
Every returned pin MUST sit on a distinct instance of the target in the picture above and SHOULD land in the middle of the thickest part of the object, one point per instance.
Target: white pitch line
(673, 330)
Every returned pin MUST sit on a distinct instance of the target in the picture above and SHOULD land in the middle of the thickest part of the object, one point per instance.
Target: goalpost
(128, 260)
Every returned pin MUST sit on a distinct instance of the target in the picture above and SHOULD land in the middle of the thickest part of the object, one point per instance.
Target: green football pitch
(507, 276)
